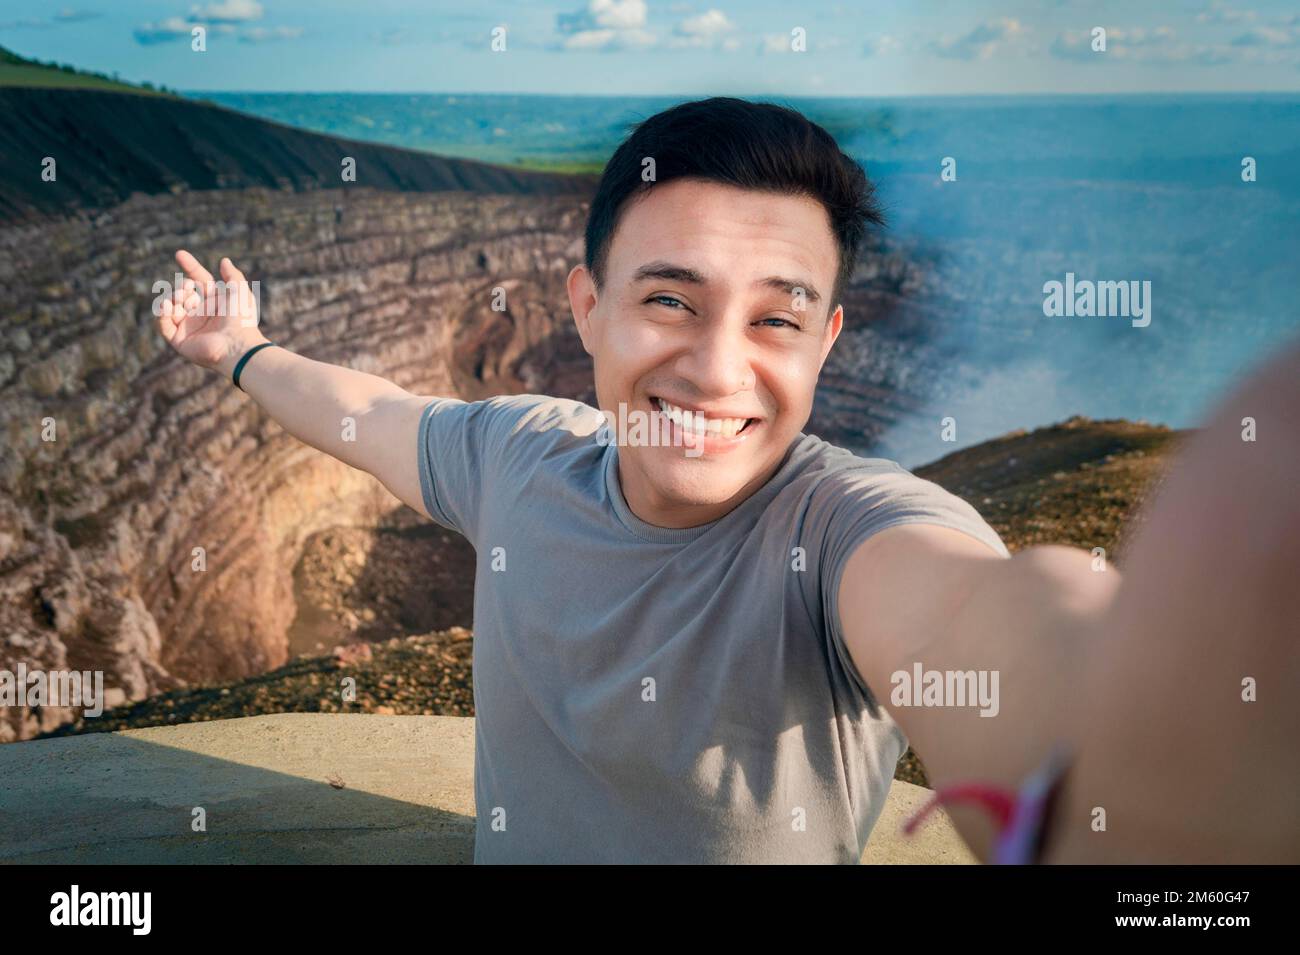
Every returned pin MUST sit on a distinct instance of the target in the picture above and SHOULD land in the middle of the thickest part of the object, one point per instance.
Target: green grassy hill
(16, 70)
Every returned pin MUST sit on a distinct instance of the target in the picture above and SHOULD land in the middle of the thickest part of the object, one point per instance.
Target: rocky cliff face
(151, 515)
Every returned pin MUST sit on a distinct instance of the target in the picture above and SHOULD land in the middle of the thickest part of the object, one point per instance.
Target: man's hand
(210, 323)
(361, 419)
(1175, 688)
(1191, 689)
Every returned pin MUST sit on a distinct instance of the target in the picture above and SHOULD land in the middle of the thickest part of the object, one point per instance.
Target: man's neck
(651, 507)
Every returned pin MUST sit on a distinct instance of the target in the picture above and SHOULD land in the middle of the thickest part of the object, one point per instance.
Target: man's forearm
(1024, 628)
(320, 404)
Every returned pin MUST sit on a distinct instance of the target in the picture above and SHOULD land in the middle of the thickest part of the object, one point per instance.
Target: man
(689, 614)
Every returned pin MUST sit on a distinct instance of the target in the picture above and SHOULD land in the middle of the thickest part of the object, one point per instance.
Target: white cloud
(881, 45)
(604, 15)
(619, 14)
(64, 16)
(267, 34)
(980, 43)
(227, 18)
(69, 15)
(228, 11)
(609, 40)
(1266, 36)
(709, 23)
(606, 25)
(706, 30)
(775, 43)
(1139, 37)
(1161, 47)
(1222, 13)
(165, 31)
(1073, 45)
(1121, 44)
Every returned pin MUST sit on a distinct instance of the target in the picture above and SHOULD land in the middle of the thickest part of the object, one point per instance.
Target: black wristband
(247, 355)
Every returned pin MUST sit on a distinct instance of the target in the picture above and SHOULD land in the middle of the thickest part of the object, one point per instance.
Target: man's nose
(719, 361)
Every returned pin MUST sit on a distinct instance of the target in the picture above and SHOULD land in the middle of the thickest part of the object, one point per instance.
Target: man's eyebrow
(666, 270)
(682, 273)
(789, 285)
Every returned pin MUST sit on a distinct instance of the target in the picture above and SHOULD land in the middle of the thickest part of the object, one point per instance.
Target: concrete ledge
(264, 782)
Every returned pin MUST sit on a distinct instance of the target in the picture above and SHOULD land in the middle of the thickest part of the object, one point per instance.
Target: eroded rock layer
(151, 515)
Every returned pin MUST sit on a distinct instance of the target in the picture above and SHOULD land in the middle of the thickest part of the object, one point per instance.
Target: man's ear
(833, 326)
(582, 300)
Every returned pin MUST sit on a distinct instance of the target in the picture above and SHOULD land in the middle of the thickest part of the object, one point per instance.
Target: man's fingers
(200, 293)
(167, 319)
(229, 273)
(193, 269)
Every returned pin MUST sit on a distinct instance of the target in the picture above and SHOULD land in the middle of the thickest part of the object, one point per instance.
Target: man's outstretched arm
(934, 596)
(1148, 679)
(317, 403)
(359, 418)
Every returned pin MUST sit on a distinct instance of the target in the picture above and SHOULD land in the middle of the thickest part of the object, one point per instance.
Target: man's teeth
(695, 422)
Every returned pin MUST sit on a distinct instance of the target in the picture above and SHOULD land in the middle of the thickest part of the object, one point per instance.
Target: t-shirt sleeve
(452, 438)
(852, 505)
(459, 450)
(472, 453)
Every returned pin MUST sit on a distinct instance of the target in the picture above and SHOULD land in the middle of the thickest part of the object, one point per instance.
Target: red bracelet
(1021, 817)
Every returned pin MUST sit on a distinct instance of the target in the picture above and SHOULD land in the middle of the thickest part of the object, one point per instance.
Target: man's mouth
(697, 422)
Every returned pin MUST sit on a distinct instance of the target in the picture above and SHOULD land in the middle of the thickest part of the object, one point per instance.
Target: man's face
(715, 306)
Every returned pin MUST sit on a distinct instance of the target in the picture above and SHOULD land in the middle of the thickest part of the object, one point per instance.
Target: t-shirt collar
(679, 535)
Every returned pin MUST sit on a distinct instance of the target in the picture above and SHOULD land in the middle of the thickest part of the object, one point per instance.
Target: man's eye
(777, 318)
(665, 298)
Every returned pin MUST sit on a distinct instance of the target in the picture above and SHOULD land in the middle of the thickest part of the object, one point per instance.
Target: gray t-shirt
(658, 695)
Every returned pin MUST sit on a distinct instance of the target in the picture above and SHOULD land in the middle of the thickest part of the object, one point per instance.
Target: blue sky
(922, 47)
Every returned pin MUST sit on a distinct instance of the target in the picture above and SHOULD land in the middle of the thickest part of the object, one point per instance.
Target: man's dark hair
(744, 144)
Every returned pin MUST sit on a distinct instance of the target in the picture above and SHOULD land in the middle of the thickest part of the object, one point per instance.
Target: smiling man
(684, 649)
(707, 311)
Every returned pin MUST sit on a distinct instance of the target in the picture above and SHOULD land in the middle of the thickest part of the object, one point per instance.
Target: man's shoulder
(863, 495)
(549, 413)
(818, 463)
(838, 480)
(530, 414)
